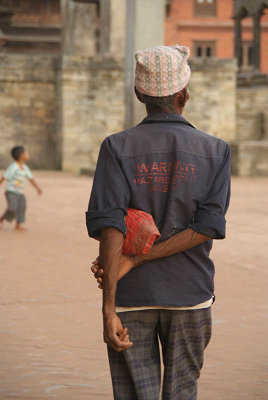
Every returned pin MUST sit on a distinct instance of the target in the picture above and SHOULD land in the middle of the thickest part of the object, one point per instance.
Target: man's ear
(138, 95)
(187, 93)
(183, 97)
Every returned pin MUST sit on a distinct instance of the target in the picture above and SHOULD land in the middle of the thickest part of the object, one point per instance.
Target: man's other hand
(98, 272)
(126, 264)
(114, 334)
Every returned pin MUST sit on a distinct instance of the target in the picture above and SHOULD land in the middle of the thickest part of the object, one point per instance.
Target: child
(15, 176)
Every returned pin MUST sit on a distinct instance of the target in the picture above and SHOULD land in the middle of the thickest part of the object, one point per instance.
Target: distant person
(15, 176)
(181, 176)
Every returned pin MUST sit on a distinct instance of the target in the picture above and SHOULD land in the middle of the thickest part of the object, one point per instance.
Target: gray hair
(158, 101)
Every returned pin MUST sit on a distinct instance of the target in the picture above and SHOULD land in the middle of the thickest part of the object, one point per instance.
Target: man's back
(168, 169)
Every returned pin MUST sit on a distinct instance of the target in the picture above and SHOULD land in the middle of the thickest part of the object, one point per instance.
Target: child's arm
(2, 180)
(31, 179)
(39, 191)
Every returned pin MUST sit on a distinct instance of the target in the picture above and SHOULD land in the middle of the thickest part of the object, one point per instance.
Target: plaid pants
(183, 336)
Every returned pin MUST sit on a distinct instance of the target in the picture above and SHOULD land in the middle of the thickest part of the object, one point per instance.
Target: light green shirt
(15, 177)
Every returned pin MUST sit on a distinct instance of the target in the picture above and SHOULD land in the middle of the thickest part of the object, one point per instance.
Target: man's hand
(98, 272)
(178, 243)
(114, 334)
(126, 264)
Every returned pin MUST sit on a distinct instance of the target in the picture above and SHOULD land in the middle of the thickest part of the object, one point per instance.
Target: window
(204, 48)
(205, 8)
(246, 56)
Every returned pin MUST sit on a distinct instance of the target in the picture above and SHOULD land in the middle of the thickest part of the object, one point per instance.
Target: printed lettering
(181, 166)
(191, 168)
(163, 167)
(167, 179)
(143, 168)
(163, 176)
(155, 167)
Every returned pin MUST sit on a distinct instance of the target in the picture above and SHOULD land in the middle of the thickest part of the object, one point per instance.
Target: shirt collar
(165, 117)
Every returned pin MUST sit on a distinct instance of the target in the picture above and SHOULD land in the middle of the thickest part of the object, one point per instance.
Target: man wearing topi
(181, 177)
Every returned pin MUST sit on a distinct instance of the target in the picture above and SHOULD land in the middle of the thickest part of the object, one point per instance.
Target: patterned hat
(162, 71)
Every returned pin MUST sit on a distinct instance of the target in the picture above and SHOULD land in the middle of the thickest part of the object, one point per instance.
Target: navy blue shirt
(181, 176)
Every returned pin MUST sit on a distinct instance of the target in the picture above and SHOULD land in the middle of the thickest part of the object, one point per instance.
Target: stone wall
(212, 104)
(117, 27)
(252, 158)
(251, 145)
(252, 111)
(79, 24)
(62, 109)
(93, 106)
(28, 108)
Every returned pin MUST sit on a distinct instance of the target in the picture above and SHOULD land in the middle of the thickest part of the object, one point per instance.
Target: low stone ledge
(23, 68)
(251, 158)
(248, 80)
(213, 64)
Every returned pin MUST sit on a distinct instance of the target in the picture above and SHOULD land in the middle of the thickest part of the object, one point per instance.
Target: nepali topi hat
(162, 71)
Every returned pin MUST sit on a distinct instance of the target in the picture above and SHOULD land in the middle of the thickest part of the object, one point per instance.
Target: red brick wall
(264, 43)
(183, 27)
(36, 12)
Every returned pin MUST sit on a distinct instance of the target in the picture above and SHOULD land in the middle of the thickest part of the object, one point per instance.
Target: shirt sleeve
(28, 173)
(109, 196)
(209, 218)
(9, 172)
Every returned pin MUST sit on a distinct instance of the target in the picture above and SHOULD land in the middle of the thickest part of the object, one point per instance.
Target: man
(181, 176)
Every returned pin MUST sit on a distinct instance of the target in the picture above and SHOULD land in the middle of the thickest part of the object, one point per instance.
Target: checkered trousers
(183, 336)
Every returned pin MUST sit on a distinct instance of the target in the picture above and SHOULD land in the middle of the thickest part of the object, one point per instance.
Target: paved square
(50, 320)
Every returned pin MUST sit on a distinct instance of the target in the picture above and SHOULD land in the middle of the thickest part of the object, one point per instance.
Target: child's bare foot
(20, 228)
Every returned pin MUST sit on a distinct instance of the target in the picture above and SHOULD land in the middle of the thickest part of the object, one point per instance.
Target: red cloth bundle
(141, 232)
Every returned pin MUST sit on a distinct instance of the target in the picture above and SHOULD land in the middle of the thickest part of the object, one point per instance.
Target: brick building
(30, 26)
(207, 27)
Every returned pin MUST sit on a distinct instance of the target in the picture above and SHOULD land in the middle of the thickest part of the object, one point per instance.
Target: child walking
(15, 176)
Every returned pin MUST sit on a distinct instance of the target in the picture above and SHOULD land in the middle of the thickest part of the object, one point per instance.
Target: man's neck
(164, 110)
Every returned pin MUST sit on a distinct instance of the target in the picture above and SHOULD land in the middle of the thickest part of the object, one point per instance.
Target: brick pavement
(50, 322)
